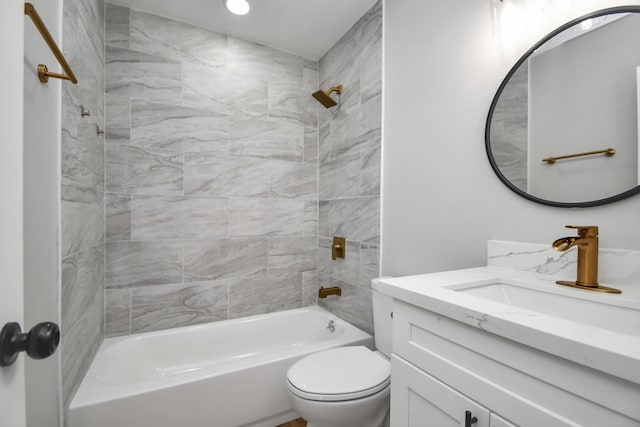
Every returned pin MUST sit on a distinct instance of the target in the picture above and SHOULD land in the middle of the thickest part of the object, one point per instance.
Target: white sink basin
(594, 309)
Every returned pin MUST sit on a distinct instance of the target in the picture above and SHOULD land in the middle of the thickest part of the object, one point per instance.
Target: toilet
(347, 386)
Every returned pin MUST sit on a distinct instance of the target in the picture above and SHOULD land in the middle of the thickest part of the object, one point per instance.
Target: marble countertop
(612, 352)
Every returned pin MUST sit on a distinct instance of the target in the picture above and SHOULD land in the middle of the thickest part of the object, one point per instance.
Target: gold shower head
(325, 99)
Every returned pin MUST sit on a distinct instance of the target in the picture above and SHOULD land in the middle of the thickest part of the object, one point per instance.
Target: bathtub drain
(331, 326)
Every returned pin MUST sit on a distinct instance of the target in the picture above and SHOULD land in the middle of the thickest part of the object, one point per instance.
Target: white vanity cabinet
(442, 368)
(420, 400)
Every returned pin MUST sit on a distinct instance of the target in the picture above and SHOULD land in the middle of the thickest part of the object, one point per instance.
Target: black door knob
(40, 342)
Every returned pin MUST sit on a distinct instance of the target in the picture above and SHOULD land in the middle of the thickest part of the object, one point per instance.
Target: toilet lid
(342, 373)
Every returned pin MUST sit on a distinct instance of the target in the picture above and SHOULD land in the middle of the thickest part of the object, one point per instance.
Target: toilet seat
(339, 374)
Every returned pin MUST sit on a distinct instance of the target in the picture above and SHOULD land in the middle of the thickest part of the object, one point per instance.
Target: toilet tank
(382, 321)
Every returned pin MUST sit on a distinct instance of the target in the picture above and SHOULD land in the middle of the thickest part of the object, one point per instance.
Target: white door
(12, 384)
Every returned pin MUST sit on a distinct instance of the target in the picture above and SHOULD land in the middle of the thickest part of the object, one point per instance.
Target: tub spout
(325, 292)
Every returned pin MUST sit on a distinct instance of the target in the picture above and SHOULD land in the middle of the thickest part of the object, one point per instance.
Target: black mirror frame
(487, 131)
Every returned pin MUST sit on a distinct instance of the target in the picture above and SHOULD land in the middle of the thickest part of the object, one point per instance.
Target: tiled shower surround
(212, 165)
(211, 175)
(82, 192)
(218, 172)
(349, 155)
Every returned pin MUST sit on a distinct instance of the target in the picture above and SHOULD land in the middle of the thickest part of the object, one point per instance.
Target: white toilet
(347, 386)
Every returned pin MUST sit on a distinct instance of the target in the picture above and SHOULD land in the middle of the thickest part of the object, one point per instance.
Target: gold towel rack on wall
(607, 152)
(43, 72)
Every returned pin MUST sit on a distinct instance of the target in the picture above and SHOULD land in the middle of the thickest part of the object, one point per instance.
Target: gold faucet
(587, 242)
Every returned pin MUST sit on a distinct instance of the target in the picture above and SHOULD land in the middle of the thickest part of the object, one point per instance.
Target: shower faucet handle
(338, 248)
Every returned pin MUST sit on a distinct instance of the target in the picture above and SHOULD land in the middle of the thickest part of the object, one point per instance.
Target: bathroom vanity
(496, 346)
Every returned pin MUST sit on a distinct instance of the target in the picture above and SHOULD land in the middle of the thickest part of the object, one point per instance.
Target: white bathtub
(223, 374)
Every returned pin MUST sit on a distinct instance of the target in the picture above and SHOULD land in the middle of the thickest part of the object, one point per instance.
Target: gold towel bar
(43, 73)
(608, 152)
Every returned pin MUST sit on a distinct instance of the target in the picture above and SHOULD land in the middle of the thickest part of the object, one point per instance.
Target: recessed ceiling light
(238, 7)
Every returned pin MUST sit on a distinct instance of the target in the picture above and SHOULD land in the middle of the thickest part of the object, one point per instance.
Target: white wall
(443, 62)
(41, 212)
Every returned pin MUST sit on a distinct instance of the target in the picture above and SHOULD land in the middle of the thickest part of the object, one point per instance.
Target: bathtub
(223, 374)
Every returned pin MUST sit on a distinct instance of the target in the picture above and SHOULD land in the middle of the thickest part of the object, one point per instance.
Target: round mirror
(563, 127)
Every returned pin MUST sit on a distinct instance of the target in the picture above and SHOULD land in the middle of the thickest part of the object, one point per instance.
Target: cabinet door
(420, 400)
(497, 421)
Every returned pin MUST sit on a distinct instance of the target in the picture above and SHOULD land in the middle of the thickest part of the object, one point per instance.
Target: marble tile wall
(349, 176)
(82, 192)
(211, 175)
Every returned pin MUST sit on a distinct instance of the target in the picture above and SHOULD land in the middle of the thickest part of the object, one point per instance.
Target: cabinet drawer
(419, 400)
(516, 381)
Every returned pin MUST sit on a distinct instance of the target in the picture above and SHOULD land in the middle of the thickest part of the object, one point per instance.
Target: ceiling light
(238, 7)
